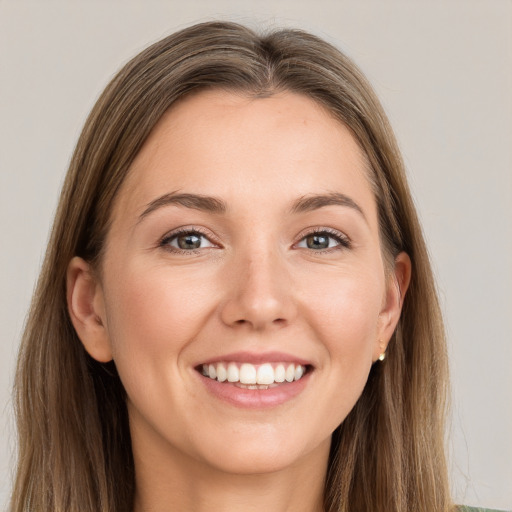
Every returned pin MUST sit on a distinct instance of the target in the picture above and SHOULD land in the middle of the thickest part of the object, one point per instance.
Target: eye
(323, 240)
(186, 241)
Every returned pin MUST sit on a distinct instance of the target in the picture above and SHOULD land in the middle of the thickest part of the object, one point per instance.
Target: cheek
(154, 312)
(344, 312)
(345, 309)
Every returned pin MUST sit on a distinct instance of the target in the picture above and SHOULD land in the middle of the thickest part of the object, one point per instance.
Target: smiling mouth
(250, 376)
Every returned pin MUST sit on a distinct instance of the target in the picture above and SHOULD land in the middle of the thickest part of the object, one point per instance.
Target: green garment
(476, 509)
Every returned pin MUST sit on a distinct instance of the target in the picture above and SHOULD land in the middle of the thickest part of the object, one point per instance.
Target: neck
(178, 482)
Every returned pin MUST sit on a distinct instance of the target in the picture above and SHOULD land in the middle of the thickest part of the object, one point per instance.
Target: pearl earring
(382, 356)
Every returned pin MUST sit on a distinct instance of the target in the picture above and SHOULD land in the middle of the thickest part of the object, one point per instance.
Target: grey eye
(188, 241)
(321, 241)
(317, 242)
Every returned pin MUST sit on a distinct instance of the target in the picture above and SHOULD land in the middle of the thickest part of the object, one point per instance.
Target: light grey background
(443, 72)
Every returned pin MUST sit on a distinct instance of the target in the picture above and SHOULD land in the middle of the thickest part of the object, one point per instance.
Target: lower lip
(255, 398)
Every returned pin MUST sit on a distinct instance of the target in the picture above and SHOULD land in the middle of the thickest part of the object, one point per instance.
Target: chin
(260, 455)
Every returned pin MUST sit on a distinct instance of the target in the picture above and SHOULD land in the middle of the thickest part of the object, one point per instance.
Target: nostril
(278, 321)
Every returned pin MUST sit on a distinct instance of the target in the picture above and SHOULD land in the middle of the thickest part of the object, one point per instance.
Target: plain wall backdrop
(443, 70)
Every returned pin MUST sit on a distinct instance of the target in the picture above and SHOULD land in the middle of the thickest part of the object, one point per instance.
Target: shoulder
(476, 509)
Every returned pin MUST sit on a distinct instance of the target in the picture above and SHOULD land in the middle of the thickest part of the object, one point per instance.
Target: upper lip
(257, 358)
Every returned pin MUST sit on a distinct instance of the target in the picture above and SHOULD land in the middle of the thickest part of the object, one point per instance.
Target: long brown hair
(74, 440)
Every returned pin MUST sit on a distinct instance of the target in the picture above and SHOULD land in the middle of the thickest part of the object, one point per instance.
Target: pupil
(317, 242)
(189, 242)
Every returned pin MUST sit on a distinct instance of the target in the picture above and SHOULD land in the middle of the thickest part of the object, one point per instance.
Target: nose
(260, 293)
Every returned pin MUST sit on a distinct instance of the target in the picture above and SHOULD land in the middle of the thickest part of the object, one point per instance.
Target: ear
(396, 288)
(86, 309)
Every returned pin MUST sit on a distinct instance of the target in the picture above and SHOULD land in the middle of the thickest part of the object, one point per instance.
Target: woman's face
(244, 252)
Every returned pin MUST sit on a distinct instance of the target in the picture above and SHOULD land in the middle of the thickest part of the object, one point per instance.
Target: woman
(236, 310)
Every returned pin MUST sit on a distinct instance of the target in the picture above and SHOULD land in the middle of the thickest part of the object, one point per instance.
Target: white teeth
(251, 376)
(247, 374)
(279, 373)
(290, 373)
(233, 373)
(265, 374)
(222, 373)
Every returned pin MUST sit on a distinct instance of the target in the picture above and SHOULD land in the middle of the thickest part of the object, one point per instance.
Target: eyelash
(164, 243)
(342, 240)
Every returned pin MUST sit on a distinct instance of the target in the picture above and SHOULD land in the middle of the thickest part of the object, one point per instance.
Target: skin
(254, 285)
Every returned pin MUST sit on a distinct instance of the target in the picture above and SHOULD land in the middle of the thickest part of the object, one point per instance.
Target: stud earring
(382, 356)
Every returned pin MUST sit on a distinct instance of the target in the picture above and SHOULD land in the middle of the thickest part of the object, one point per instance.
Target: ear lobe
(86, 309)
(398, 283)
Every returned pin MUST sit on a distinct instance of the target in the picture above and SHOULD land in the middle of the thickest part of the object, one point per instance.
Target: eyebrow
(215, 205)
(195, 201)
(314, 202)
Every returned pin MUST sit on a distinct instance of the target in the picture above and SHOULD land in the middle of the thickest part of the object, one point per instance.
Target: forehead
(231, 145)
